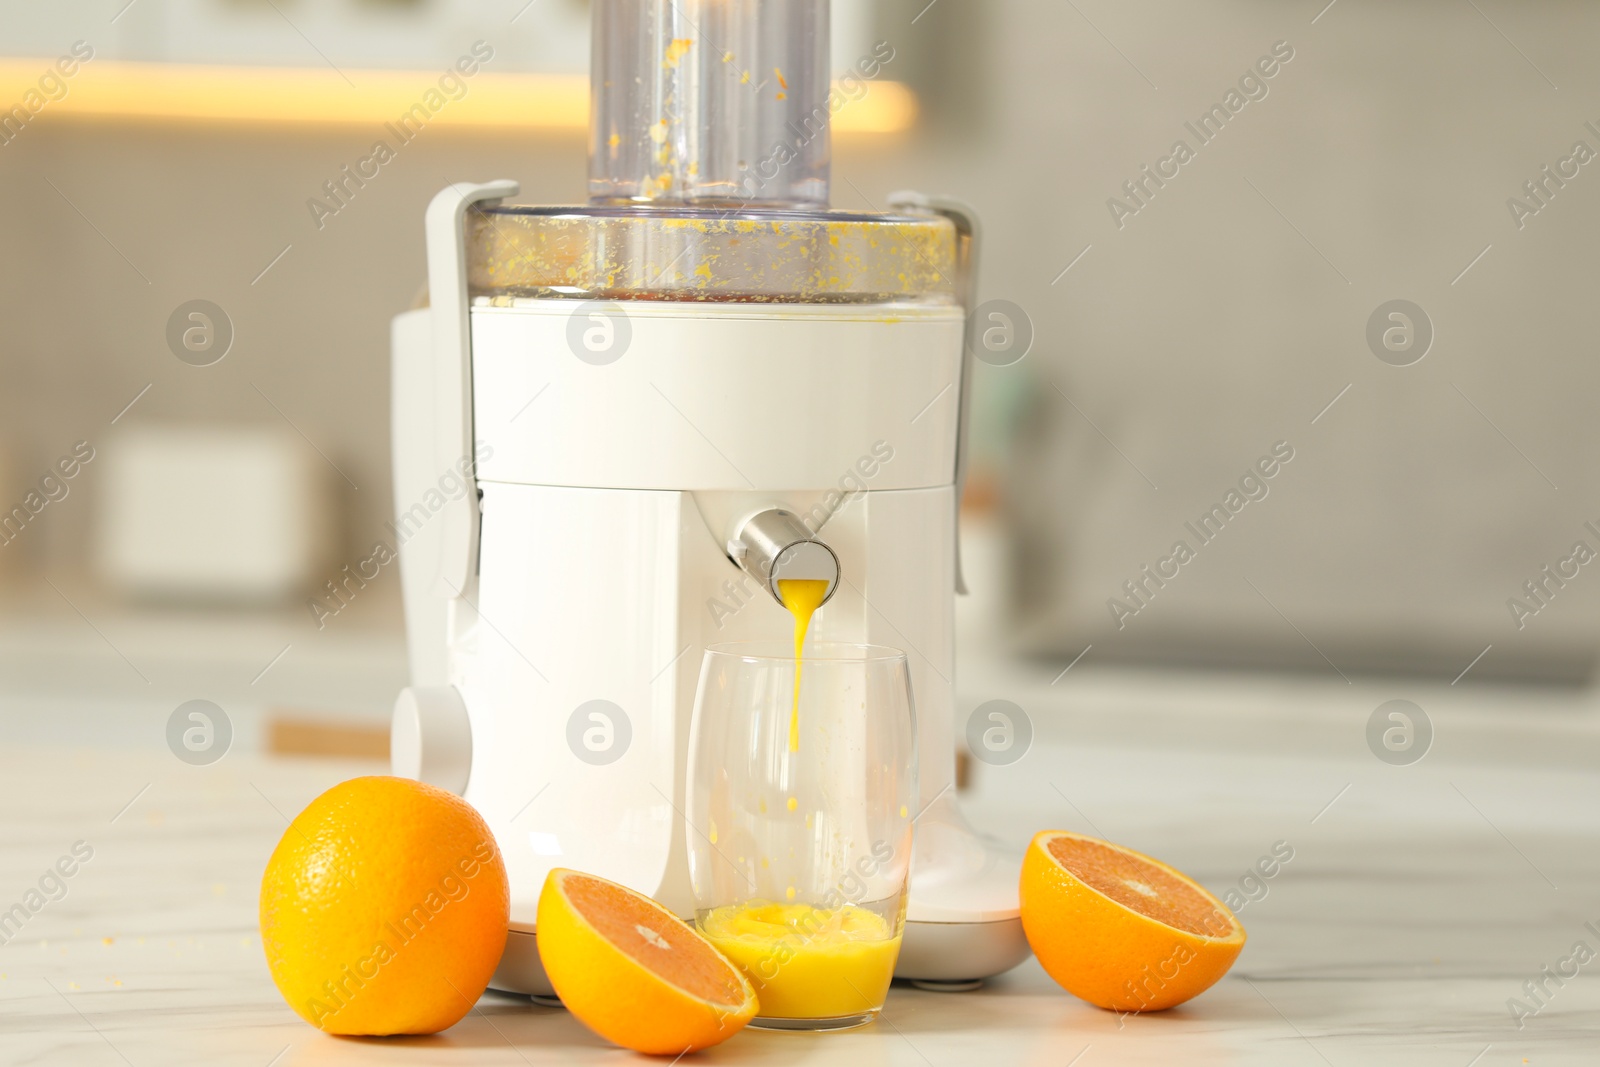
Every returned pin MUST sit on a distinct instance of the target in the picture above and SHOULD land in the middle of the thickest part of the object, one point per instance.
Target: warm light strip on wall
(105, 89)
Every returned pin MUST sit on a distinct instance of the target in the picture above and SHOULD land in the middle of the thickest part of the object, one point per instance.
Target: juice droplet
(903, 812)
(788, 894)
(714, 828)
(793, 803)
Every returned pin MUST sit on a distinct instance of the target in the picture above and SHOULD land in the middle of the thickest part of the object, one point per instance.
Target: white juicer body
(557, 611)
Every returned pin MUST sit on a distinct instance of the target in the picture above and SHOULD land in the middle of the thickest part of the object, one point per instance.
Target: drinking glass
(798, 855)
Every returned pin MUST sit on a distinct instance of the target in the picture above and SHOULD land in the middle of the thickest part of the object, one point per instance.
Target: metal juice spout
(774, 544)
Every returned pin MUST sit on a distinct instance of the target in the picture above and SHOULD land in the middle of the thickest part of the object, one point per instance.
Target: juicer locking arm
(446, 224)
(965, 219)
(774, 544)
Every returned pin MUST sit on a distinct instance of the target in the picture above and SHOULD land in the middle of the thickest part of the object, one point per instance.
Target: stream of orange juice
(802, 596)
(807, 962)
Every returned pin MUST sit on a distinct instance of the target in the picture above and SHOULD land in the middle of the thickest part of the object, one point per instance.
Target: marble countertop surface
(1419, 900)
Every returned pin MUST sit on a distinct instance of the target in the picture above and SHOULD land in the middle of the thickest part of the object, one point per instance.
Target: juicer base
(520, 970)
(955, 985)
(960, 952)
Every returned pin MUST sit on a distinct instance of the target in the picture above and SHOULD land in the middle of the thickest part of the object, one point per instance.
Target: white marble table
(1418, 901)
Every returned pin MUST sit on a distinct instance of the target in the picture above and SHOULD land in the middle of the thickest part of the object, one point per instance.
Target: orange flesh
(1140, 886)
(686, 961)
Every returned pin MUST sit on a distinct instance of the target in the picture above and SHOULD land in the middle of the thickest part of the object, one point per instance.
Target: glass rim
(771, 651)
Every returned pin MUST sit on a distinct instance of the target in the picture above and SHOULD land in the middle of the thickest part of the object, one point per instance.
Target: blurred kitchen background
(1176, 340)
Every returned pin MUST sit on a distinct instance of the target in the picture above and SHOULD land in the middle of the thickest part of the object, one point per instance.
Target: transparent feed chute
(710, 101)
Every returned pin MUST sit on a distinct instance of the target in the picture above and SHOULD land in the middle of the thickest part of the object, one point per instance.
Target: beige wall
(199, 213)
(1208, 328)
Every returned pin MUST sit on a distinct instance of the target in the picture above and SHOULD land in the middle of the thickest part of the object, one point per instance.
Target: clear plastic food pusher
(710, 101)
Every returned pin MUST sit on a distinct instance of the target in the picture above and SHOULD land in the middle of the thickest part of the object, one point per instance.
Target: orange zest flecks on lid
(676, 50)
(514, 254)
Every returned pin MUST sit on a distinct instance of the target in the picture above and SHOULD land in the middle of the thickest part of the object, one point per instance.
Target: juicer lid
(637, 252)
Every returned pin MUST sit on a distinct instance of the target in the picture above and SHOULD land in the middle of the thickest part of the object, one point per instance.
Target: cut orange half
(1121, 930)
(633, 972)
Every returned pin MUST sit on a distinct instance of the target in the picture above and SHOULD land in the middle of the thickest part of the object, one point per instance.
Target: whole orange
(384, 908)
(1121, 930)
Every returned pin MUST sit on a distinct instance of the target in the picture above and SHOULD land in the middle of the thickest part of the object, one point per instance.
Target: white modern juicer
(660, 403)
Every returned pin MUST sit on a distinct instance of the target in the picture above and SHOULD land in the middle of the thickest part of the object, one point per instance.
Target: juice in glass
(808, 962)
